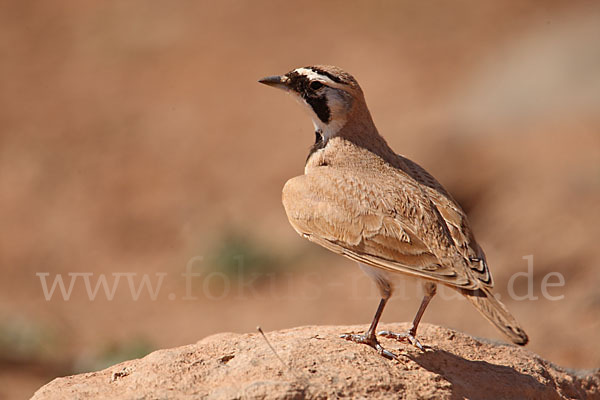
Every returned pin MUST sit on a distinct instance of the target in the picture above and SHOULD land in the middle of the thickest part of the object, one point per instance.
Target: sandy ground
(135, 139)
(313, 362)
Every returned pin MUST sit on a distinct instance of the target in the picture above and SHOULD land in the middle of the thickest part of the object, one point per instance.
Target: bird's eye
(315, 85)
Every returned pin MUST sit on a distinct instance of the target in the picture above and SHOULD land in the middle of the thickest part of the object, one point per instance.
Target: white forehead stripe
(312, 75)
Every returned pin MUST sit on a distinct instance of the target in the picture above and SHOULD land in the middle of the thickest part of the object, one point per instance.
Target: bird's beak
(276, 81)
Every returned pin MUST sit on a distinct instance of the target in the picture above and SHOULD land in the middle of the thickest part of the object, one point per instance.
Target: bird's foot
(370, 341)
(407, 336)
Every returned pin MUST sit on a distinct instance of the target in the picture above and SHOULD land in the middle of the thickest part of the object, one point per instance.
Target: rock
(317, 363)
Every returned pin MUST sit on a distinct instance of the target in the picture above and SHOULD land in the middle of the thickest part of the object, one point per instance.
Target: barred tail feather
(495, 312)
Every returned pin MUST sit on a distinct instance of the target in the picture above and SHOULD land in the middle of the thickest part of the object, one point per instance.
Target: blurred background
(135, 140)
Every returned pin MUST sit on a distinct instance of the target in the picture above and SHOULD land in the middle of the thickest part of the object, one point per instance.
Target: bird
(360, 199)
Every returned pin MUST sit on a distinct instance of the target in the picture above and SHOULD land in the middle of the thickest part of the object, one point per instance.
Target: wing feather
(455, 220)
(359, 220)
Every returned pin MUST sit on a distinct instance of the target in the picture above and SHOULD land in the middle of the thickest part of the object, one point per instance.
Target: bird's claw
(403, 337)
(370, 341)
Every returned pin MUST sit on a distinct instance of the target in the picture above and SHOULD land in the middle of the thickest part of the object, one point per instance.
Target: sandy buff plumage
(359, 199)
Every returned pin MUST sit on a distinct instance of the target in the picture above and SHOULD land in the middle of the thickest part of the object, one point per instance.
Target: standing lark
(359, 199)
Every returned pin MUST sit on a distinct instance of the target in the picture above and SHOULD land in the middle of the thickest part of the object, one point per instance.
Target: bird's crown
(327, 74)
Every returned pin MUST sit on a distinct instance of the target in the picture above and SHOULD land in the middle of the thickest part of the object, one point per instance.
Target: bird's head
(331, 95)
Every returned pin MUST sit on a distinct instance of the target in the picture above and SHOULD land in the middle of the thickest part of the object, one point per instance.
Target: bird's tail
(495, 312)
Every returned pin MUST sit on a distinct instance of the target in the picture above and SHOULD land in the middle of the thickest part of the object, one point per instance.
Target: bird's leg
(369, 337)
(430, 290)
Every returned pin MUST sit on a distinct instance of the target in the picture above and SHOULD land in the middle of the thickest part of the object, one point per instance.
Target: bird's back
(376, 205)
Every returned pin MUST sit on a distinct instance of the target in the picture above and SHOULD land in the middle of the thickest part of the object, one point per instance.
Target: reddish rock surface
(318, 364)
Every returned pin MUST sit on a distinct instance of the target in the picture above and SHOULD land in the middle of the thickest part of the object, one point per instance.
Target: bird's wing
(455, 219)
(394, 228)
